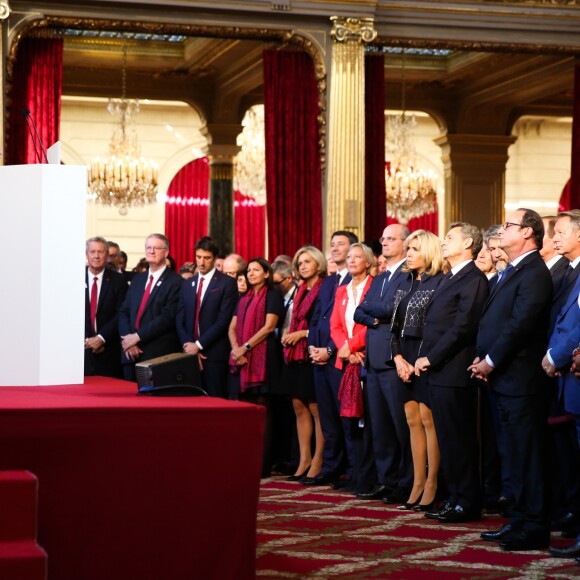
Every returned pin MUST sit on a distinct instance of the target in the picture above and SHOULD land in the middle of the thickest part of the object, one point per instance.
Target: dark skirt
(297, 380)
(416, 390)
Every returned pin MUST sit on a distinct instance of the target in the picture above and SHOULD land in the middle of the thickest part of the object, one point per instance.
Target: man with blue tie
(206, 307)
(337, 431)
(390, 432)
(511, 342)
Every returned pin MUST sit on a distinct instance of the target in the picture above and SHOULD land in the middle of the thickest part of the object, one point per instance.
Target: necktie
(197, 307)
(569, 277)
(502, 275)
(337, 279)
(93, 308)
(146, 295)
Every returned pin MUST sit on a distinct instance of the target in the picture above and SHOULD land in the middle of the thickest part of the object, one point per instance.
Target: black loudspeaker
(170, 375)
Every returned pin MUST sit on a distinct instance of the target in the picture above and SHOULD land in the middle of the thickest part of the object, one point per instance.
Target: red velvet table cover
(137, 487)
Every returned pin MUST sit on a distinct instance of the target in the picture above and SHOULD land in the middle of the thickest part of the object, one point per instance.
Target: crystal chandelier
(123, 178)
(411, 191)
(250, 162)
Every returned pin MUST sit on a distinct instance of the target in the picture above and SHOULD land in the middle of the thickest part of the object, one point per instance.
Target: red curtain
(293, 174)
(375, 192)
(574, 193)
(250, 231)
(186, 209)
(427, 222)
(565, 203)
(36, 86)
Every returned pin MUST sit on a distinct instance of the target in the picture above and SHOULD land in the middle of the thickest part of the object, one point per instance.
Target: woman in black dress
(253, 358)
(425, 266)
(297, 379)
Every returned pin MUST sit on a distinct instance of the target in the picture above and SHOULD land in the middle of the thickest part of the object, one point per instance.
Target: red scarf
(251, 318)
(350, 392)
(303, 305)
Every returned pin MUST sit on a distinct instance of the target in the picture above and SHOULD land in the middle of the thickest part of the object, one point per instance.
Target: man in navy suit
(387, 415)
(337, 431)
(206, 306)
(561, 252)
(147, 316)
(104, 294)
(511, 343)
(558, 361)
(451, 322)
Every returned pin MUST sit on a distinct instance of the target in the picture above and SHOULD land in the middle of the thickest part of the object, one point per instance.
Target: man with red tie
(147, 316)
(104, 293)
(206, 307)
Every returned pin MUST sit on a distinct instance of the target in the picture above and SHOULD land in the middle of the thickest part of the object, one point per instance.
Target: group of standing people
(397, 381)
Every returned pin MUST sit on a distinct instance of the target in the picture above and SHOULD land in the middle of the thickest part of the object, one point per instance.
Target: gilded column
(221, 195)
(474, 177)
(4, 14)
(346, 147)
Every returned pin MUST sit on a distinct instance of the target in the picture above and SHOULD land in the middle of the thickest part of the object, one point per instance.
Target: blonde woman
(297, 379)
(425, 267)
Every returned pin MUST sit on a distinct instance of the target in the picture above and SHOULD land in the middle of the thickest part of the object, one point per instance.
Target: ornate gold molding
(478, 46)
(4, 10)
(352, 29)
(53, 25)
(538, 2)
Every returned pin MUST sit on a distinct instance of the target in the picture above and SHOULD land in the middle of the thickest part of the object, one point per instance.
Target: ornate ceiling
(502, 59)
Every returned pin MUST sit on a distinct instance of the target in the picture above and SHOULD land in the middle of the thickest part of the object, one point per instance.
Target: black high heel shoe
(299, 476)
(408, 506)
(424, 507)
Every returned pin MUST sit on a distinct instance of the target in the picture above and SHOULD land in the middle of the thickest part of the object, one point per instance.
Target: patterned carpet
(322, 533)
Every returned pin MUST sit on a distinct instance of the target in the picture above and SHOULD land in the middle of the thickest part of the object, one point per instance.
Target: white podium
(42, 221)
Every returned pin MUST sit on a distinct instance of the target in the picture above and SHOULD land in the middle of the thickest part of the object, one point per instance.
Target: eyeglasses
(508, 224)
(387, 239)
(153, 249)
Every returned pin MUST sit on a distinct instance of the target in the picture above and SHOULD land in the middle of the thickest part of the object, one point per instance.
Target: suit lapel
(509, 276)
(105, 287)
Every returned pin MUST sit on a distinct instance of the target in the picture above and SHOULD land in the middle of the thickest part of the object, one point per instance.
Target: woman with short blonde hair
(425, 267)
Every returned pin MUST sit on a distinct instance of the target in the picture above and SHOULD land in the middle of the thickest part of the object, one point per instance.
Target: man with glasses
(147, 315)
(285, 284)
(511, 343)
(390, 432)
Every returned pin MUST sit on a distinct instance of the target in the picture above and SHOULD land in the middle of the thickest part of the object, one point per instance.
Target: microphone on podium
(29, 120)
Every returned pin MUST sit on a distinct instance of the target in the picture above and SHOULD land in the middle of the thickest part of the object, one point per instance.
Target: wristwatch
(329, 351)
(247, 346)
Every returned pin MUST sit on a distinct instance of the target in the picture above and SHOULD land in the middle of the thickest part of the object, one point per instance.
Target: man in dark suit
(147, 316)
(104, 294)
(206, 306)
(567, 244)
(390, 432)
(337, 431)
(451, 322)
(511, 343)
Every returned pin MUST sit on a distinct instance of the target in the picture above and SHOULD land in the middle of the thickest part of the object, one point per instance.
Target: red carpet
(322, 533)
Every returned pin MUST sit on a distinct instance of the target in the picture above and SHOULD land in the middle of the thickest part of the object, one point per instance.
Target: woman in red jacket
(350, 338)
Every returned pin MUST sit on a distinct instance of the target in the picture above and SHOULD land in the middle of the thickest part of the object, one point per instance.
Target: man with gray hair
(234, 265)
(284, 283)
(448, 347)
(104, 294)
(147, 317)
